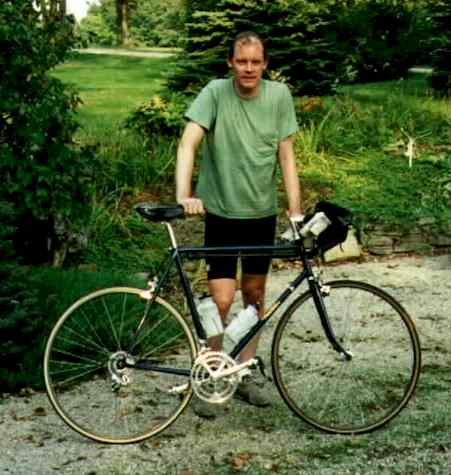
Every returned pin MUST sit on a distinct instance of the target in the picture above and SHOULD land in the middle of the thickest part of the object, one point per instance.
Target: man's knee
(253, 290)
(223, 300)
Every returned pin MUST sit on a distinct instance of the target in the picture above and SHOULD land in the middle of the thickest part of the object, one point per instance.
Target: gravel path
(35, 441)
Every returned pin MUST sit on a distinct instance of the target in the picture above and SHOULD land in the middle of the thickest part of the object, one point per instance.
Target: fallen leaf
(241, 460)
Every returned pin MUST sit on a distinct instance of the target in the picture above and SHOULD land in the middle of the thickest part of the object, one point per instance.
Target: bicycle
(121, 364)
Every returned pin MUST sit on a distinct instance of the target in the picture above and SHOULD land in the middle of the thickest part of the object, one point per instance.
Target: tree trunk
(52, 9)
(123, 16)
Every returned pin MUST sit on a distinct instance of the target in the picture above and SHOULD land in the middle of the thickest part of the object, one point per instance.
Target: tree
(158, 23)
(314, 44)
(302, 52)
(150, 22)
(440, 44)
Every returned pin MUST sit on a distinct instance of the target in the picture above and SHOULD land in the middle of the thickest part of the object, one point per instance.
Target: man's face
(248, 64)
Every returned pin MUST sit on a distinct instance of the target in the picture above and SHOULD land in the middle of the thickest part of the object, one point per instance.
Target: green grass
(351, 147)
(111, 86)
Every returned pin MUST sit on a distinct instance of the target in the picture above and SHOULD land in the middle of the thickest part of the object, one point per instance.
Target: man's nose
(249, 66)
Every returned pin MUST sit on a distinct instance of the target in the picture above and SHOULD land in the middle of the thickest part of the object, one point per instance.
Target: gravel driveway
(35, 441)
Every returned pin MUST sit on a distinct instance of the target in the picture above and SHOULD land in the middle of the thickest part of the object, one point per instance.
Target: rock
(410, 242)
(440, 240)
(379, 245)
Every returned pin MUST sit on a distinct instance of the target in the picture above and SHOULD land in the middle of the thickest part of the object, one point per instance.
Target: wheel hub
(118, 370)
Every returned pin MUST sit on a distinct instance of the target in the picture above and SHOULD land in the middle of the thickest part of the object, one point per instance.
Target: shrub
(123, 241)
(161, 116)
(21, 329)
(41, 170)
(31, 301)
(94, 31)
(379, 39)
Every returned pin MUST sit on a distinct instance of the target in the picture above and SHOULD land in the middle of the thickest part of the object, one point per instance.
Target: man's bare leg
(223, 293)
(253, 290)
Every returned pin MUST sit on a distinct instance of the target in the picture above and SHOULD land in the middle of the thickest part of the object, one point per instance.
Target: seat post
(171, 234)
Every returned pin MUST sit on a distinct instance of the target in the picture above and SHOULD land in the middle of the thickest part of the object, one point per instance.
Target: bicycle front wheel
(89, 369)
(326, 390)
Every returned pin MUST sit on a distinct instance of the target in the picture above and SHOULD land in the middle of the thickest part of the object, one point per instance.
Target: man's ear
(265, 64)
(229, 63)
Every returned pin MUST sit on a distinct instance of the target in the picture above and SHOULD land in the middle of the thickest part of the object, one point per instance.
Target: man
(246, 126)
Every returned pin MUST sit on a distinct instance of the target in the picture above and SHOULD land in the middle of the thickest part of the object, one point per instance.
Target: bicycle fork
(319, 291)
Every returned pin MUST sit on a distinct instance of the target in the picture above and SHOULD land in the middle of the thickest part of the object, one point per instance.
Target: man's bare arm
(287, 160)
(186, 153)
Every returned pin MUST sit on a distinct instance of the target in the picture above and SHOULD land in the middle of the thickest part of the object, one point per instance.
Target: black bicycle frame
(292, 251)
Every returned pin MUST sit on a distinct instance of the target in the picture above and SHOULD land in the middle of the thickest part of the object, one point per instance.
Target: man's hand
(292, 233)
(192, 205)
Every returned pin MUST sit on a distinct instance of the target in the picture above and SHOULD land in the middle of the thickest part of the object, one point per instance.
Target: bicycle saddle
(157, 212)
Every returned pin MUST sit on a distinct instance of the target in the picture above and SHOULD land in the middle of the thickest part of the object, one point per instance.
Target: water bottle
(316, 225)
(209, 316)
(239, 326)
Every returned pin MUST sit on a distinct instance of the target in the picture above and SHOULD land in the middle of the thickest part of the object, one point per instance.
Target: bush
(123, 241)
(31, 301)
(94, 31)
(379, 39)
(162, 116)
(41, 169)
(21, 329)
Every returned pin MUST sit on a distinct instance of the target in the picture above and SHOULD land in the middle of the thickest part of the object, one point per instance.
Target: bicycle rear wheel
(91, 344)
(329, 392)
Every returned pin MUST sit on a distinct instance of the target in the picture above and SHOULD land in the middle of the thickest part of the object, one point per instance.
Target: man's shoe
(204, 409)
(250, 392)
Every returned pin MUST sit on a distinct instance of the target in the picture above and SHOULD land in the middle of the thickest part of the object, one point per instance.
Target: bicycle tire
(81, 347)
(339, 396)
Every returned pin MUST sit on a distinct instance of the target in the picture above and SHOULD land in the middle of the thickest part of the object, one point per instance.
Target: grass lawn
(351, 148)
(110, 86)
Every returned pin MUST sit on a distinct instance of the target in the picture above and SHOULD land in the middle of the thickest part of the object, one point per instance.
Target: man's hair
(247, 37)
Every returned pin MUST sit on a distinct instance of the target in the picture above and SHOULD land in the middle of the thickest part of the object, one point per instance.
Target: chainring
(206, 379)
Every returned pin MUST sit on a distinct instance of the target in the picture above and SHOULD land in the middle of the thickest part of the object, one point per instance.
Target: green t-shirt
(237, 176)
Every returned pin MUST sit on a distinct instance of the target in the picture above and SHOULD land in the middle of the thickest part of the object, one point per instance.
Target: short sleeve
(288, 124)
(203, 109)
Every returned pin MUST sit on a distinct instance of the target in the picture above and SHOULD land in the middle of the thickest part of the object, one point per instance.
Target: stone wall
(426, 236)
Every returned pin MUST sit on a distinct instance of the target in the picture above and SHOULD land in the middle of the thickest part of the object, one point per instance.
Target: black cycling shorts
(221, 231)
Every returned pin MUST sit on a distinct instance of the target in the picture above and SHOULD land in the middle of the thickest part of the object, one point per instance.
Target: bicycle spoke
(91, 343)
(125, 404)
(352, 396)
(113, 330)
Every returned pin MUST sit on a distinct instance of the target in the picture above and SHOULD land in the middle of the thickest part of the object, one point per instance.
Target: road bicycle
(121, 364)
